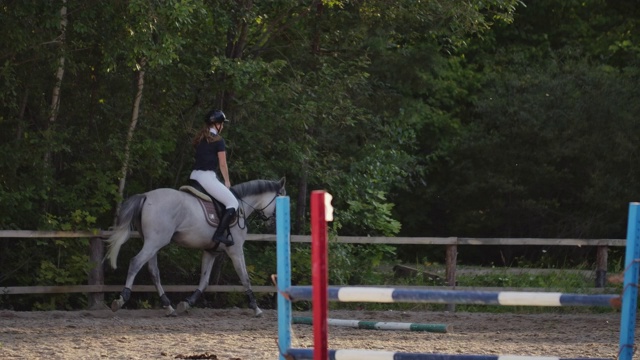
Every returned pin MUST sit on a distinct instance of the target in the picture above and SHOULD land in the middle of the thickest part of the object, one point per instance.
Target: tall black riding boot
(219, 236)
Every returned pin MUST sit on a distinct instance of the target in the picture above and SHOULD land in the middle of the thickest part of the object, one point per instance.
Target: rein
(257, 211)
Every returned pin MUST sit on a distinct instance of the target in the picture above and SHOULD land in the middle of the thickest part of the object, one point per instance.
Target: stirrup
(225, 242)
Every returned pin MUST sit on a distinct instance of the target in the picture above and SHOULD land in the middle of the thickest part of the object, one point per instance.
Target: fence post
(601, 266)
(96, 275)
(451, 260)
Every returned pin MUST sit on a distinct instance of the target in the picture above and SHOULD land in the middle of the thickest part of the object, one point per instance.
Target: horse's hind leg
(152, 265)
(208, 259)
(135, 265)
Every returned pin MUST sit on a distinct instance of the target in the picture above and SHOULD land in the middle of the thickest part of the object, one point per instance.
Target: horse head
(259, 197)
(268, 213)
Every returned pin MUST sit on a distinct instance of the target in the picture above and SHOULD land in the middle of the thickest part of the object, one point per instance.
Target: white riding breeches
(215, 188)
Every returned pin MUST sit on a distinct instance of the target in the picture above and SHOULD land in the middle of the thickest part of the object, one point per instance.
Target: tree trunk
(132, 127)
(303, 184)
(55, 95)
(315, 41)
(301, 202)
(23, 109)
(237, 34)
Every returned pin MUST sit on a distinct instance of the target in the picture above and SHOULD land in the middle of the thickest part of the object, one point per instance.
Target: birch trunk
(55, 95)
(132, 127)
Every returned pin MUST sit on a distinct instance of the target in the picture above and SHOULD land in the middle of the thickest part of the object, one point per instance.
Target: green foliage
(542, 143)
(371, 213)
(569, 281)
(563, 158)
(144, 304)
(78, 219)
(250, 59)
(52, 274)
(353, 264)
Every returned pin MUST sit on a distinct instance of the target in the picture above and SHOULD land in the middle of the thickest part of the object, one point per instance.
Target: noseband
(264, 217)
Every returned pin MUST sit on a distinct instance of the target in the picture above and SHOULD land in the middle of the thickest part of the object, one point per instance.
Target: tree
(546, 115)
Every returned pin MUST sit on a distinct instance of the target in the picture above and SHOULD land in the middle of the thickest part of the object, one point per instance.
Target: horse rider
(211, 156)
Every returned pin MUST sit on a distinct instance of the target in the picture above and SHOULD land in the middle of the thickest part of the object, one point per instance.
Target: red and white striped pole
(321, 212)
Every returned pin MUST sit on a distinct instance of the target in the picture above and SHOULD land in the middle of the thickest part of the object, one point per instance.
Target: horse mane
(255, 187)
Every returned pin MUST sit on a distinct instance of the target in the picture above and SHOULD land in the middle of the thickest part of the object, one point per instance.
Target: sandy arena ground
(235, 334)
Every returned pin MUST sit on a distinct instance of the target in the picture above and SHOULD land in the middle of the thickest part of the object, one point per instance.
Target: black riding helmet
(215, 117)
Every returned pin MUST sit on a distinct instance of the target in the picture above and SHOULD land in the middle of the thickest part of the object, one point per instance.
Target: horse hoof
(117, 304)
(170, 312)
(258, 313)
(183, 306)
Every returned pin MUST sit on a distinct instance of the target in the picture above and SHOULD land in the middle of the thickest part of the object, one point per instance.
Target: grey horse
(167, 215)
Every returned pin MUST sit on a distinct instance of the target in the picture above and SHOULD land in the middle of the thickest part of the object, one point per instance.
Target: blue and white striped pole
(630, 290)
(505, 298)
(353, 354)
(283, 242)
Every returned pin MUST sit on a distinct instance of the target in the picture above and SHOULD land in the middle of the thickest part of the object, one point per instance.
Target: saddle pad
(209, 212)
(205, 203)
(207, 206)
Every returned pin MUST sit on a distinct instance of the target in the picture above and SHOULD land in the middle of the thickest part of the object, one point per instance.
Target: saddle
(211, 207)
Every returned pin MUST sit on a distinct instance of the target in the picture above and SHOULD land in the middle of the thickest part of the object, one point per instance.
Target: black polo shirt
(207, 154)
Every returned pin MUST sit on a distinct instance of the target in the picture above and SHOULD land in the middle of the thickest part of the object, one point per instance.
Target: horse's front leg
(236, 253)
(155, 278)
(208, 259)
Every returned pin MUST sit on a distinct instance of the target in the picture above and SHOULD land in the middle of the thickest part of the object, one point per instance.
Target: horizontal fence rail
(36, 234)
(96, 287)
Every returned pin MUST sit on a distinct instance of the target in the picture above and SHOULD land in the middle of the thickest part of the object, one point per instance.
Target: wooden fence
(96, 287)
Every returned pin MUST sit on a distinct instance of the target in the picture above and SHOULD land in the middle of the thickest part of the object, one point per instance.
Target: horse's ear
(283, 181)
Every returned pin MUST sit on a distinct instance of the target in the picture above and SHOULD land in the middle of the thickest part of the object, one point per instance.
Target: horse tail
(129, 212)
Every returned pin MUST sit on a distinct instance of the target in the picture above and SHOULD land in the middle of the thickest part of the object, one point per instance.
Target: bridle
(260, 212)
